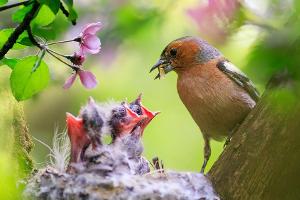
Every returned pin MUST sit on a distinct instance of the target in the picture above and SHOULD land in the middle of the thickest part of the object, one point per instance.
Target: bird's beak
(77, 135)
(131, 114)
(163, 67)
(134, 120)
(149, 115)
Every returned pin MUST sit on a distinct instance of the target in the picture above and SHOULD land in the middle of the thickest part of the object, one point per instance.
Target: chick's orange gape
(215, 92)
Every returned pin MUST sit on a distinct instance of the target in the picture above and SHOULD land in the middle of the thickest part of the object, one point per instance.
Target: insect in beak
(163, 67)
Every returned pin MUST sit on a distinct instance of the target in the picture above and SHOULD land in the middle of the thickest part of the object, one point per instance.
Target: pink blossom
(214, 18)
(69, 82)
(88, 79)
(78, 58)
(89, 42)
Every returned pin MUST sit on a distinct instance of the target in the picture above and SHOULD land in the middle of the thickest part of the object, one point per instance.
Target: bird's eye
(122, 112)
(173, 52)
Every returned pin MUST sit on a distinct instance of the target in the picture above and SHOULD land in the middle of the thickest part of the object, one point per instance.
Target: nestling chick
(93, 121)
(216, 93)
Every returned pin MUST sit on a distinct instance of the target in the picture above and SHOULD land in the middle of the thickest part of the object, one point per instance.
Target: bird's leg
(207, 153)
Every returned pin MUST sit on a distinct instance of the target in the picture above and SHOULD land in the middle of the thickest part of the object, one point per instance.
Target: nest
(114, 171)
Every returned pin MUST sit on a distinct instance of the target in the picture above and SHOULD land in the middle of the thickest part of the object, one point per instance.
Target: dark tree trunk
(262, 160)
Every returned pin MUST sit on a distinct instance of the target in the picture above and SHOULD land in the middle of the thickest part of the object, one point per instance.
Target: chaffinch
(215, 92)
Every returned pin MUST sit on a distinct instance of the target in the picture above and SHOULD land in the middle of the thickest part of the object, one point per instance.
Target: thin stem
(15, 5)
(71, 66)
(33, 40)
(57, 53)
(63, 41)
(51, 52)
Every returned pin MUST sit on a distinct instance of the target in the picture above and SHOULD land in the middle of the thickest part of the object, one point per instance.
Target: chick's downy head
(124, 120)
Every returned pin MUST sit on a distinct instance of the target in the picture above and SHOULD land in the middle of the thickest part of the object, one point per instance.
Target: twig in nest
(159, 166)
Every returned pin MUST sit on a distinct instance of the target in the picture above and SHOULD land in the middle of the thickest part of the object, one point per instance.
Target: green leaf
(46, 32)
(52, 4)
(72, 14)
(69, 3)
(4, 35)
(26, 82)
(10, 62)
(2, 2)
(19, 15)
(44, 17)
(25, 41)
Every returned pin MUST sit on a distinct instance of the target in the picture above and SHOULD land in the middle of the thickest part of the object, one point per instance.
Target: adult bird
(215, 92)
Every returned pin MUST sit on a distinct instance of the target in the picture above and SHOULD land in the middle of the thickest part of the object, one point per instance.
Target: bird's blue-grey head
(184, 53)
(207, 52)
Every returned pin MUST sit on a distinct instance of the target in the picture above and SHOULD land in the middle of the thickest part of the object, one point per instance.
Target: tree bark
(15, 139)
(262, 159)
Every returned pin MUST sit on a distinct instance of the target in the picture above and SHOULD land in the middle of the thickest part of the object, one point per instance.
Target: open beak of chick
(163, 66)
(149, 115)
(78, 137)
(130, 122)
(141, 110)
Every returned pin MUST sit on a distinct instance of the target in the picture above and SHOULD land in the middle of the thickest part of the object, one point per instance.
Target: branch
(19, 30)
(262, 158)
(15, 5)
(32, 39)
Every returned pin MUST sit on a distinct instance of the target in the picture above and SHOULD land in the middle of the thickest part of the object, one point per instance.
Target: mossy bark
(15, 139)
(262, 159)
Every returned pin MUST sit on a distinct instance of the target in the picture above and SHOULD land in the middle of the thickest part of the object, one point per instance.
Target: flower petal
(91, 28)
(86, 50)
(87, 79)
(92, 43)
(69, 82)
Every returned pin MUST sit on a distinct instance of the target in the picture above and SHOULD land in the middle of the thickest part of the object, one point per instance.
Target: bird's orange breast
(215, 102)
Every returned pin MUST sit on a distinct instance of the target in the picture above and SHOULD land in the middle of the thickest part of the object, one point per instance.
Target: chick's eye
(173, 52)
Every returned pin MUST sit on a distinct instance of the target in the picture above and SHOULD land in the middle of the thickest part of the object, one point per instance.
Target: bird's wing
(239, 78)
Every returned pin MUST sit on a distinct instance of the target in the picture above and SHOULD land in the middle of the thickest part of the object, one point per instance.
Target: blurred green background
(134, 34)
